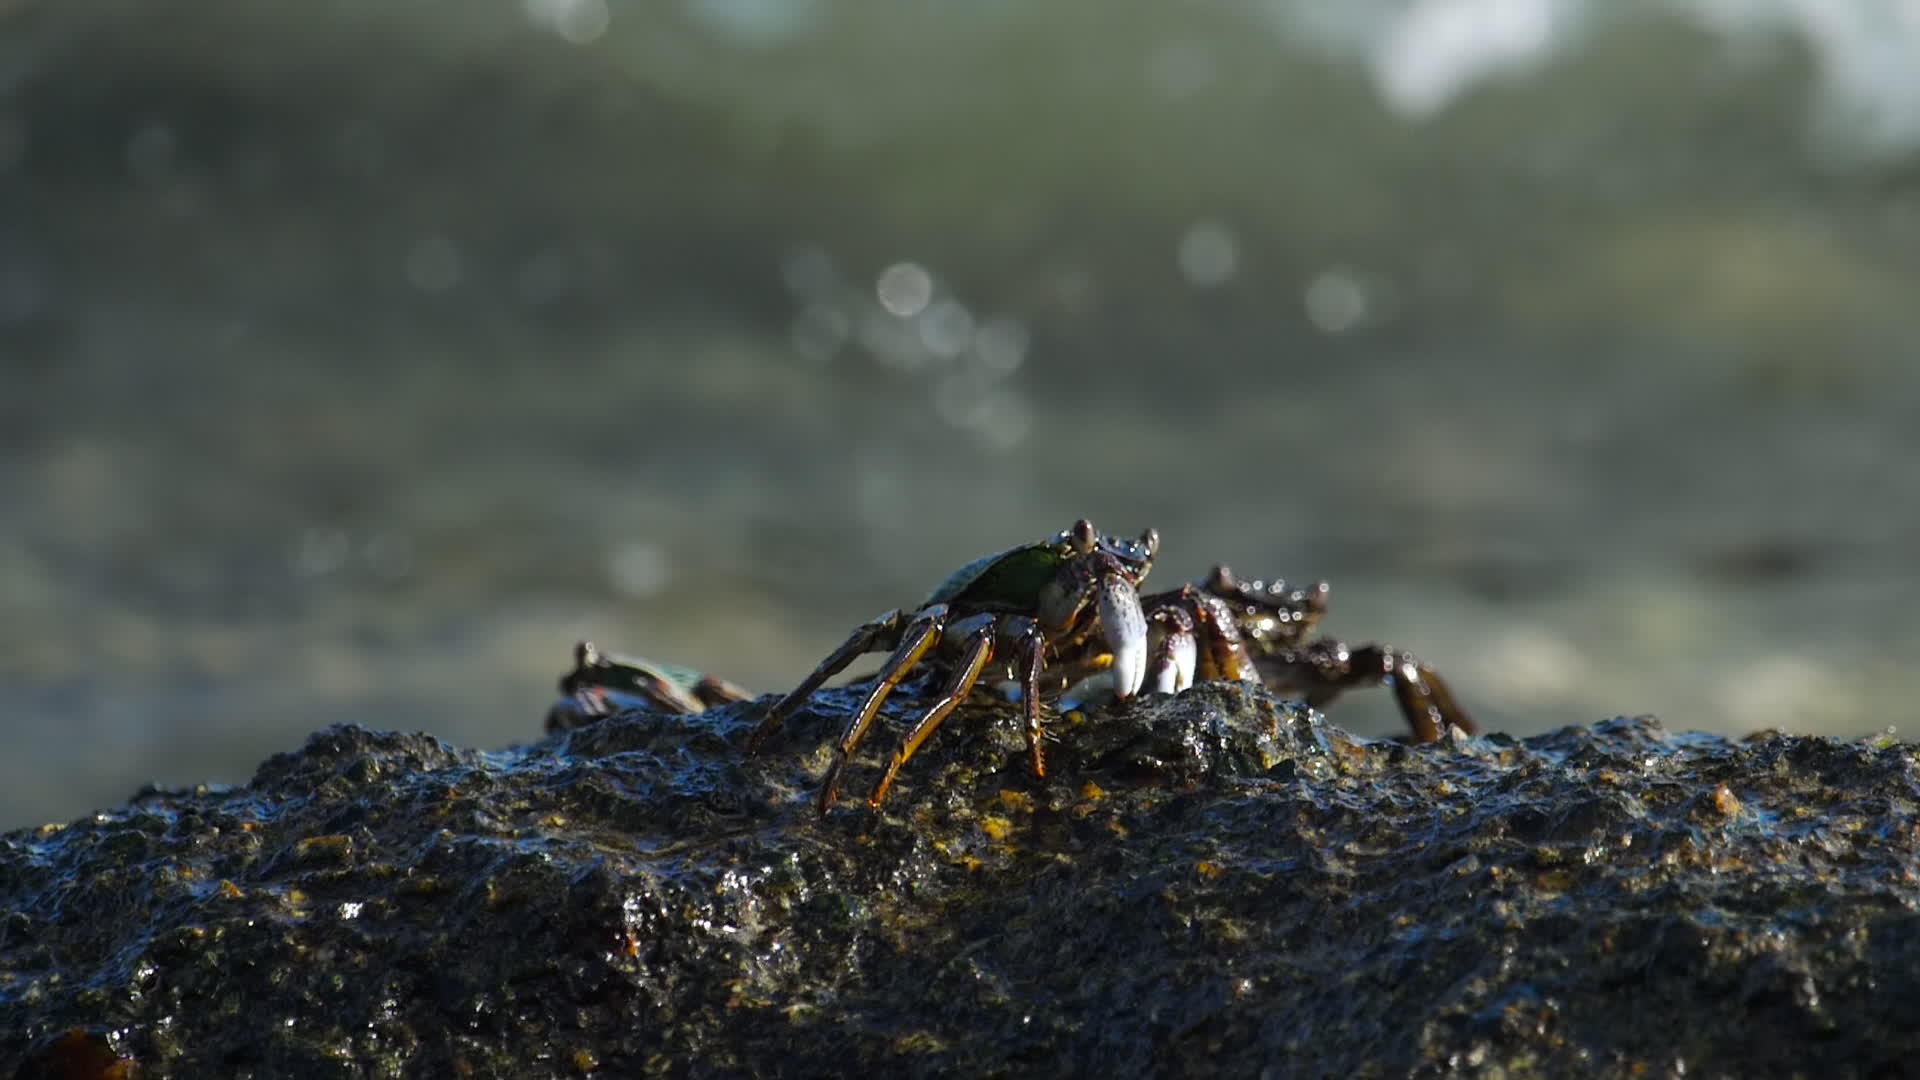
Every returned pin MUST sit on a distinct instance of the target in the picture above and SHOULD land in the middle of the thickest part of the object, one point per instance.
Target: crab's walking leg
(1225, 656)
(1321, 670)
(1033, 647)
(979, 650)
(920, 636)
(1442, 700)
(881, 633)
(714, 692)
(1299, 606)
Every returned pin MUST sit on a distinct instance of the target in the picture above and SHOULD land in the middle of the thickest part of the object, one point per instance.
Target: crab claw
(1174, 661)
(1125, 629)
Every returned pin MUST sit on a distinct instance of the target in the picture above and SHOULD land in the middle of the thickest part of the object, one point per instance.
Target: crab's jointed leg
(1033, 650)
(920, 637)
(714, 692)
(978, 653)
(1284, 613)
(881, 633)
(1321, 670)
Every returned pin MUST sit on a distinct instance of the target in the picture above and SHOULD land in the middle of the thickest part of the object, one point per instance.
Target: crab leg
(714, 692)
(1295, 607)
(920, 636)
(1322, 670)
(879, 634)
(1226, 655)
(979, 651)
(1033, 648)
(1443, 701)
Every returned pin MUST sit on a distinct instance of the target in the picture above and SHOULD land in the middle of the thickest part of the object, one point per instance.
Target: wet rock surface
(1215, 882)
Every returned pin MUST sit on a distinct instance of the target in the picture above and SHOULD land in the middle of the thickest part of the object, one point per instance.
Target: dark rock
(1213, 883)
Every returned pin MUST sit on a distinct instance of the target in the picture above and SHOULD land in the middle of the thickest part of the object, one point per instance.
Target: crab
(1223, 628)
(600, 685)
(1011, 612)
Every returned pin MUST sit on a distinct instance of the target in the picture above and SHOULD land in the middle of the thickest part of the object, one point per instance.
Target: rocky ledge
(1212, 883)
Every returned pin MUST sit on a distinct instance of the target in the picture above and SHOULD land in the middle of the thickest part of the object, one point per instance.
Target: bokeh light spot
(946, 328)
(809, 272)
(1002, 344)
(579, 22)
(640, 569)
(904, 289)
(892, 341)
(321, 551)
(1336, 301)
(1208, 255)
(755, 23)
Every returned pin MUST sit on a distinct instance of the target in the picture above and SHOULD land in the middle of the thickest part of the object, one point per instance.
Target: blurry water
(358, 359)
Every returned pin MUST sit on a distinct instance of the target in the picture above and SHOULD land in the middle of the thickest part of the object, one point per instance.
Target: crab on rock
(1224, 628)
(1009, 612)
(1274, 621)
(601, 685)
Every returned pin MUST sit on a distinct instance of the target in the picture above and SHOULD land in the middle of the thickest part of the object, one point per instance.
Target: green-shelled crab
(1228, 629)
(1011, 613)
(600, 685)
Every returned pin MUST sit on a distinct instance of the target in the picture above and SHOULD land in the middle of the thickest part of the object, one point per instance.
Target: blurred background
(358, 357)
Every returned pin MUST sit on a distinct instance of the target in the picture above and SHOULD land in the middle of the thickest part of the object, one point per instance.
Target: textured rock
(1213, 882)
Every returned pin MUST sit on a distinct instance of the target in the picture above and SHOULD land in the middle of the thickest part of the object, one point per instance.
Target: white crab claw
(1174, 662)
(1125, 628)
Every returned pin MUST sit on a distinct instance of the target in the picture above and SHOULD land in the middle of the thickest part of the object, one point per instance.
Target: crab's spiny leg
(879, 634)
(1443, 700)
(1323, 669)
(919, 637)
(1424, 718)
(714, 691)
(1426, 701)
(979, 650)
(665, 694)
(1033, 650)
(1225, 655)
(1292, 609)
